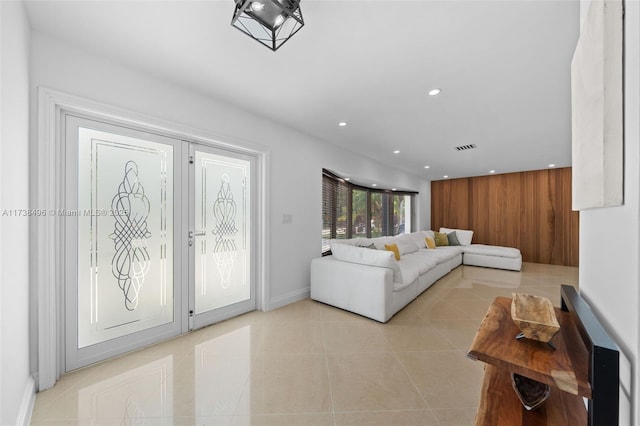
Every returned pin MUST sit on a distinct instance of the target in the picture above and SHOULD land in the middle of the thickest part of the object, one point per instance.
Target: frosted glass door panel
(222, 230)
(125, 235)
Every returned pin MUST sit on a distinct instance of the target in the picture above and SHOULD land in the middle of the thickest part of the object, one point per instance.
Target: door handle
(193, 234)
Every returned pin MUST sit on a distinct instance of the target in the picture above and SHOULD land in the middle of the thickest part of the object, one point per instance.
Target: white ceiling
(503, 67)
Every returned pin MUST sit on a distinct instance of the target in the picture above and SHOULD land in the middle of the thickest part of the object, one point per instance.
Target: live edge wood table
(565, 369)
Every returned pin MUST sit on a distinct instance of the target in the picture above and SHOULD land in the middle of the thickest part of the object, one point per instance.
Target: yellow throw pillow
(430, 243)
(441, 239)
(394, 249)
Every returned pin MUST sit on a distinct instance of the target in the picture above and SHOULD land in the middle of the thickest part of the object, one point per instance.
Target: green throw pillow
(453, 239)
(441, 239)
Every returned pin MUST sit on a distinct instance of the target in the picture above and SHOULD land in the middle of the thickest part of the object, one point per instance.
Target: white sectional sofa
(361, 276)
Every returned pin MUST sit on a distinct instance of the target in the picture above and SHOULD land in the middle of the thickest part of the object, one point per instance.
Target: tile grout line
(326, 364)
(413, 383)
(415, 387)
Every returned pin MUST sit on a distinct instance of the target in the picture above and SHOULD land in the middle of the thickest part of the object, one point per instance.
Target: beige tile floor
(306, 364)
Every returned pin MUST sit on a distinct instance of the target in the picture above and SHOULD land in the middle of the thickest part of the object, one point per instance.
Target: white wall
(610, 237)
(16, 385)
(425, 205)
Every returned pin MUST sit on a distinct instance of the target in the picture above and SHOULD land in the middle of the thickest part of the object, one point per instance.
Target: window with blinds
(354, 211)
(329, 211)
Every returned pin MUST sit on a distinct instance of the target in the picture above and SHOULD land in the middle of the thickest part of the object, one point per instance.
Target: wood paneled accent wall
(528, 210)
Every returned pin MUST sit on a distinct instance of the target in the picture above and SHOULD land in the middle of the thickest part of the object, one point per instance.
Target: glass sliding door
(401, 214)
(220, 235)
(359, 215)
(379, 211)
(121, 226)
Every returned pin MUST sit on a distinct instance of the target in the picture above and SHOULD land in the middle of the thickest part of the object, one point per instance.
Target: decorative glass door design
(220, 235)
(123, 220)
(126, 197)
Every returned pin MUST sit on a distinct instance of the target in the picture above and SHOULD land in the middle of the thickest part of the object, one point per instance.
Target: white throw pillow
(365, 256)
(381, 241)
(410, 243)
(464, 235)
(418, 238)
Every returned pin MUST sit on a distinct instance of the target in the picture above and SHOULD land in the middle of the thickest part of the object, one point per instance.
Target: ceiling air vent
(465, 147)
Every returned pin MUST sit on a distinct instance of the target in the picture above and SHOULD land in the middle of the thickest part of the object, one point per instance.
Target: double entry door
(158, 238)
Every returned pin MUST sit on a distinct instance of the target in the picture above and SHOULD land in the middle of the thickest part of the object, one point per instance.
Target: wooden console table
(565, 369)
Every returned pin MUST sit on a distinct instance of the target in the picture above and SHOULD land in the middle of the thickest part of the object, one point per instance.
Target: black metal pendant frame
(262, 27)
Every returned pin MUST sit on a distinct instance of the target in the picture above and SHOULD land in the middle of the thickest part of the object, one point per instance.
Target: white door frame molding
(48, 198)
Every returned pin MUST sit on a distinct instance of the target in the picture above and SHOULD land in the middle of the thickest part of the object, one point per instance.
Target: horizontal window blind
(350, 211)
(329, 200)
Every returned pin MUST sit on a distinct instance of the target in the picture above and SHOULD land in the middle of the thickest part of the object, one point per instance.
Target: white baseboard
(27, 403)
(285, 299)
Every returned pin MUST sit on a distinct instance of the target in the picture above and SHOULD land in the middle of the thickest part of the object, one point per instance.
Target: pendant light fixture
(271, 22)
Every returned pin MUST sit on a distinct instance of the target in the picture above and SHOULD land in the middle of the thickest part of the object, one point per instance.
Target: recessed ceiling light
(445, 176)
(426, 167)
(396, 152)
(492, 171)
(374, 184)
(434, 92)
(393, 189)
(552, 165)
(342, 123)
(347, 179)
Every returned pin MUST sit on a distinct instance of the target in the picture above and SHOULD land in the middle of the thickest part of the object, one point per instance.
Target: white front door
(158, 238)
(221, 225)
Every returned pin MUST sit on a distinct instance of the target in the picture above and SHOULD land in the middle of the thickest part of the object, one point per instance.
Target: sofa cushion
(355, 254)
(360, 242)
(420, 261)
(417, 238)
(430, 242)
(364, 256)
(406, 243)
(441, 239)
(464, 235)
(442, 254)
(453, 239)
(411, 267)
(368, 246)
(393, 248)
(381, 241)
(497, 251)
